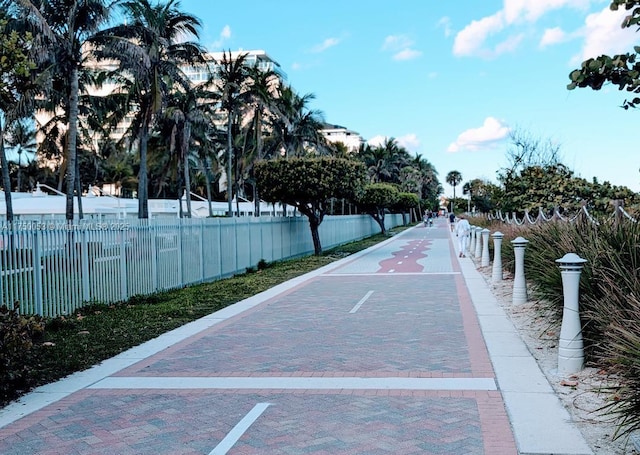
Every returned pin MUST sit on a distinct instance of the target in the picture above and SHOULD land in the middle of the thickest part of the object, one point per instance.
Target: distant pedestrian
(452, 220)
(463, 229)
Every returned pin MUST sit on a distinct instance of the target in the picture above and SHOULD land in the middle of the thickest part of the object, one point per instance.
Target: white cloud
(407, 54)
(396, 43)
(508, 45)
(552, 36)
(225, 35)
(400, 46)
(326, 44)
(445, 23)
(604, 35)
(410, 142)
(532, 10)
(474, 139)
(469, 41)
(377, 140)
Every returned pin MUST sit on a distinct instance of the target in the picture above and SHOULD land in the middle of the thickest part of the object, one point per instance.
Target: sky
(449, 80)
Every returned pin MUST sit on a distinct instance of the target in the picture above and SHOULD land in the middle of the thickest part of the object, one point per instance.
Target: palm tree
(261, 99)
(22, 140)
(384, 162)
(467, 189)
(453, 178)
(18, 84)
(63, 29)
(232, 77)
(187, 106)
(209, 143)
(149, 48)
(295, 127)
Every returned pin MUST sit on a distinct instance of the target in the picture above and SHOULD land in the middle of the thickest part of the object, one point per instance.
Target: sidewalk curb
(540, 423)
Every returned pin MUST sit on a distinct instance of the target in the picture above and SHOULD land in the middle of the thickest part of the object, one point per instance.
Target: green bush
(17, 336)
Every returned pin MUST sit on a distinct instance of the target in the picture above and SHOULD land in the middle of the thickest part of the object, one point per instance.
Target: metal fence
(51, 268)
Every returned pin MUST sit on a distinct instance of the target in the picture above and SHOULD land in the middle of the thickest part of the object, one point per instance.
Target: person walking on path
(463, 228)
(452, 220)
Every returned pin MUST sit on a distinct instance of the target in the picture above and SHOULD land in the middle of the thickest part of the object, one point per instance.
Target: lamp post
(570, 348)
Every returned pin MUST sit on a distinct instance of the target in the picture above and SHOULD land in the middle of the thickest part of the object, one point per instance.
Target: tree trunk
(71, 152)
(229, 164)
(256, 201)
(180, 182)
(207, 179)
(379, 217)
(187, 176)
(79, 190)
(6, 180)
(315, 235)
(143, 190)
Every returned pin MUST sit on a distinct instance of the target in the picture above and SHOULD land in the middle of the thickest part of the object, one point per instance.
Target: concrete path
(399, 349)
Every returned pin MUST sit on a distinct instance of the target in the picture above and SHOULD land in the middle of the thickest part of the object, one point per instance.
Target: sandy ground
(579, 393)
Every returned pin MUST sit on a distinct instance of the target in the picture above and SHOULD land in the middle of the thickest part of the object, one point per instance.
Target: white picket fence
(51, 268)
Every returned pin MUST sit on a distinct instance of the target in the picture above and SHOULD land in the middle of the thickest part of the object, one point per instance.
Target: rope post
(478, 250)
(617, 217)
(485, 248)
(570, 348)
(472, 240)
(519, 281)
(496, 272)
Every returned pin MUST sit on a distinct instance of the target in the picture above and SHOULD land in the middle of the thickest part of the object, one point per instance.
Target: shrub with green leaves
(17, 336)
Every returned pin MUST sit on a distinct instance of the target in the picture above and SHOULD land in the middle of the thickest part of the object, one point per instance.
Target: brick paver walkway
(380, 355)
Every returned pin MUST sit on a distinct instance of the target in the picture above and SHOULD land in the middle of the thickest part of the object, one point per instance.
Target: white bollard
(472, 240)
(478, 250)
(570, 348)
(496, 271)
(485, 248)
(519, 281)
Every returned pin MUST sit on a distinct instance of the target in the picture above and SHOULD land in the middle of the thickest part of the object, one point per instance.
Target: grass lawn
(98, 332)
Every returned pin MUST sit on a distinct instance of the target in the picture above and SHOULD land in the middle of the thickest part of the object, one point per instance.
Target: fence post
(37, 273)
(485, 248)
(123, 267)
(201, 250)
(153, 236)
(496, 272)
(180, 252)
(519, 281)
(478, 250)
(570, 348)
(84, 264)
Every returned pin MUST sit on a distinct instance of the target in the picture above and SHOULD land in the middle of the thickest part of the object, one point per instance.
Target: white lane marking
(293, 383)
(336, 274)
(236, 432)
(362, 300)
(405, 257)
(391, 270)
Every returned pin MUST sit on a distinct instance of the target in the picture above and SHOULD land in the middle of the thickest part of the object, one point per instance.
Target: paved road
(380, 353)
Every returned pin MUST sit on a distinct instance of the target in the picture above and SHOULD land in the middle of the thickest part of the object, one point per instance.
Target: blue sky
(448, 79)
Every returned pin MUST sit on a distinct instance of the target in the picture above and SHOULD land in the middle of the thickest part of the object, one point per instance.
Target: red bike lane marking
(406, 259)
